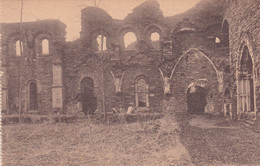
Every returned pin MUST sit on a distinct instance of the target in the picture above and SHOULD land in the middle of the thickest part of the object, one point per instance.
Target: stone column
(4, 99)
(57, 85)
(4, 77)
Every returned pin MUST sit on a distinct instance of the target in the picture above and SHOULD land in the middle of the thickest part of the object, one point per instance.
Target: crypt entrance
(196, 100)
(88, 99)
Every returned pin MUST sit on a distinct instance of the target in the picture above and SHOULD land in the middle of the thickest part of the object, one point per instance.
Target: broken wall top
(53, 27)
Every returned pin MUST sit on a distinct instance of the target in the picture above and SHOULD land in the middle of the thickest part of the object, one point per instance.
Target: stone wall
(31, 65)
(243, 20)
(177, 35)
(193, 49)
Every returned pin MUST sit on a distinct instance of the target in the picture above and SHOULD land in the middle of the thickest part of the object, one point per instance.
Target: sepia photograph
(130, 82)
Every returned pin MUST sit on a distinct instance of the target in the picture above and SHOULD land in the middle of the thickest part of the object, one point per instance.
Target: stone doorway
(88, 99)
(33, 96)
(246, 83)
(196, 100)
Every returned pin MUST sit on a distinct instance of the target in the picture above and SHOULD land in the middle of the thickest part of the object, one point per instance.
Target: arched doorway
(33, 96)
(88, 99)
(196, 100)
(227, 103)
(245, 83)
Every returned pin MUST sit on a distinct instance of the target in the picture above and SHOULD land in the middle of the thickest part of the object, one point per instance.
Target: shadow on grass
(238, 145)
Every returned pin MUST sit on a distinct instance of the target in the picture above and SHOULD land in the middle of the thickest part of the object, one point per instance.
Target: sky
(68, 11)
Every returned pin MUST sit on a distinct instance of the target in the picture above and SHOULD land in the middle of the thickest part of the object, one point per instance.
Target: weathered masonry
(205, 59)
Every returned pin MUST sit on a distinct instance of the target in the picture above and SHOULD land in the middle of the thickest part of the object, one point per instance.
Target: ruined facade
(205, 59)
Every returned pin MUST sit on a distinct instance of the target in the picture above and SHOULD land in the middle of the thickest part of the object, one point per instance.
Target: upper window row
(45, 50)
(129, 41)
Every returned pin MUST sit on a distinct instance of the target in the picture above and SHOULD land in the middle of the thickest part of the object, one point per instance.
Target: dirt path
(212, 141)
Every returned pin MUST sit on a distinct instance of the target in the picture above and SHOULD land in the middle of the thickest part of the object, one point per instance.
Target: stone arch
(123, 31)
(38, 38)
(185, 26)
(106, 37)
(97, 86)
(246, 76)
(200, 82)
(90, 75)
(195, 67)
(11, 43)
(148, 34)
(186, 53)
(225, 26)
(153, 28)
(13, 36)
(246, 40)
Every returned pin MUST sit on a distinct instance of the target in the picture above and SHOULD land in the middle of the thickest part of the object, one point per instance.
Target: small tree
(21, 54)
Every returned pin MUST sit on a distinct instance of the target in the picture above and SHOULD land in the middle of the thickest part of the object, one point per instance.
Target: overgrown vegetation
(87, 143)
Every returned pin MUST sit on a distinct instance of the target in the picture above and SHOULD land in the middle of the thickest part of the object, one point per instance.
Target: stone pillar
(4, 78)
(4, 99)
(57, 85)
(220, 80)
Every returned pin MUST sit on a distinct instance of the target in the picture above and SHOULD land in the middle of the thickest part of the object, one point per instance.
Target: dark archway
(88, 99)
(33, 96)
(196, 100)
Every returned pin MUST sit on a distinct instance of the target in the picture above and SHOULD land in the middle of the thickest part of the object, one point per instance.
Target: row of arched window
(129, 41)
(45, 47)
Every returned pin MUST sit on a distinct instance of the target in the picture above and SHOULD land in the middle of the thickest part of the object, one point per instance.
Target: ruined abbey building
(205, 60)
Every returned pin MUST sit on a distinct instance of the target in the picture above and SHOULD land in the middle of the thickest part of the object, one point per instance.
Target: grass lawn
(153, 143)
(85, 143)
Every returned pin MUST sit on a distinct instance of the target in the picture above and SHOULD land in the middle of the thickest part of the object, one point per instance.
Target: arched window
(18, 48)
(33, 96)
(155, 39)
(141, 92)
(130, 41)
(225, 32)
(45, 47)
(101, 39)
(246, 62)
